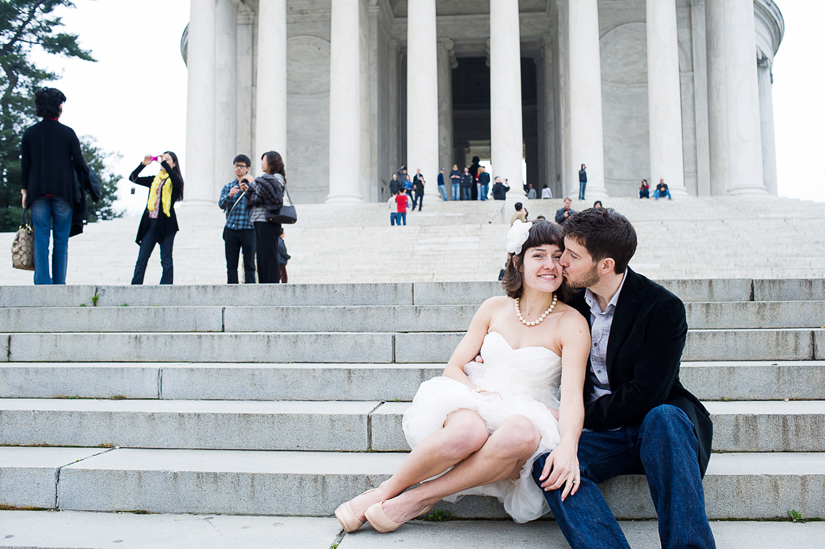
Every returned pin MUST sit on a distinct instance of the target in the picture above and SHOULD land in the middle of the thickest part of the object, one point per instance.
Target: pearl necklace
(543, 315)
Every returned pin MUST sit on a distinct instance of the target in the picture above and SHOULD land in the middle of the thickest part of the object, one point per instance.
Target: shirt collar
(591, 300)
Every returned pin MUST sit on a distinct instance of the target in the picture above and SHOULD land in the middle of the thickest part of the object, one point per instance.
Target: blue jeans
(402, 216)
(51, 214)
(456, 188)
(665, 449)
(147, 246)
(657, 194)
(644, 193)
(443, 192)
(582, 187)
(483, 191)
(466, 193)
(394, 219)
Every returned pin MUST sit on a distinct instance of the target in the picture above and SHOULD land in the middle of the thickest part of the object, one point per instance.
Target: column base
(591, 195)
(753, 191)
(344, 199)
(681, 191)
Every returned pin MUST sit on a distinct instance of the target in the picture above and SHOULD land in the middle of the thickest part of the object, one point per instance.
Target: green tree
(24, 26)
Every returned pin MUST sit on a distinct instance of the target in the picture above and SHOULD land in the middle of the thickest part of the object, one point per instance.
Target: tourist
(395, 184)
(644, 189)
(402, 202)
(520, 214)
(475, 429)
(455, 181)
(598, 204)
(159, 222)
(402, 173)
(393, 205)
(474, 172)
(467, 183)
(441, 185)
(661, 191)
(483, 183)
(546, 193)
(266, 192)
(638, 417)
(582, 181)
(541, 218)
(407, 184)
(283, 257)
(238, 233)
(531, 192)
(499, 200)
(564, 213)
(50, 158)
(418, 189)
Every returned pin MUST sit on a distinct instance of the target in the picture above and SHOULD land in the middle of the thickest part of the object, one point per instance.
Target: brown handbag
(22, 249)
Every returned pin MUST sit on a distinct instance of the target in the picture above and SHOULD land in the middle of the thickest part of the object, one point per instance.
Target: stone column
(226, 91)
(270, 110)
(200, 104)
(769, 172)
(244, 121)
(446, 64)
(586, 129)
(422, 89)
(506, 120)
(733, 99)
(664, 98)
(345, 102)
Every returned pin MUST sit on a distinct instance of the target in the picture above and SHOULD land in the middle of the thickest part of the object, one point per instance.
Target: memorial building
(349, 90)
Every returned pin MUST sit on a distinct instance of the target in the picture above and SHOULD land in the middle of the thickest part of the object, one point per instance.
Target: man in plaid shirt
(238, 232)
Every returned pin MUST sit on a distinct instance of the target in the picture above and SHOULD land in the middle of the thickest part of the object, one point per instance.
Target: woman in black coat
(265, 193)
(159, 222)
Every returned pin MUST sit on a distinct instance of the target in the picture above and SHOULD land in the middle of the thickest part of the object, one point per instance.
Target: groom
(638, 419)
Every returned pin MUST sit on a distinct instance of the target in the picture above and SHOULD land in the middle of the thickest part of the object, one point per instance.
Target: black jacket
(582, 176)
(418, 184)
(560, 215)
(164, 225)
(49, 157)
(484, 178)
(500, 191)
(466, 181)
(644, 352)
(395, 186)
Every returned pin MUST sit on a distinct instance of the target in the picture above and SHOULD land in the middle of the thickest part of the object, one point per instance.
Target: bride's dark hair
(542, 232)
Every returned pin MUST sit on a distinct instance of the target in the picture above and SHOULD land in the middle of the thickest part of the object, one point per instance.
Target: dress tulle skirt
(527, 380)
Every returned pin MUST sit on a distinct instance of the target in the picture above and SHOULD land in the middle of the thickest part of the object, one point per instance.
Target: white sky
(133, 100)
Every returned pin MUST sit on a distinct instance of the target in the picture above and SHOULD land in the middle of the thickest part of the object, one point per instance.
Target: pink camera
(155, 158)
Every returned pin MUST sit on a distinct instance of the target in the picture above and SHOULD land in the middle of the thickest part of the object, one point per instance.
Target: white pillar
(270, 110)
(506, 143)
(446, 63)
(226, 92)
(664, 96)
(586, 129)
(200, 103)
(345, 103)
(769, 170)
(733, 99)
(422, 90)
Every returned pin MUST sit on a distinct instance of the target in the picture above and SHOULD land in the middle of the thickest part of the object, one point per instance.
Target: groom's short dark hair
(604, 232)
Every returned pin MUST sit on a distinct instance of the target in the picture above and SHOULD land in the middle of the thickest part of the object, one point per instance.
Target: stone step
(384, 318)
(379, 294)
(737, 486)
(332, 426)
(80, 530)
(795, 380)
(356, 347)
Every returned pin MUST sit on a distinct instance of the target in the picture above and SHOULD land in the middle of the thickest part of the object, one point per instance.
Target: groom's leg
(668, 450)
(584, 518)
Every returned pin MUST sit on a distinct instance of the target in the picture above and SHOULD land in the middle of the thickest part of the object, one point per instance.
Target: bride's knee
(463, 438)
(517, 437)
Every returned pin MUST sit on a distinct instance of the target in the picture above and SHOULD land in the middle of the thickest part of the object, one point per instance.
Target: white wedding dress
(528, 380)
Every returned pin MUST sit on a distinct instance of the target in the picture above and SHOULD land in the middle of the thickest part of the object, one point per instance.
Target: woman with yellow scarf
(159, 223)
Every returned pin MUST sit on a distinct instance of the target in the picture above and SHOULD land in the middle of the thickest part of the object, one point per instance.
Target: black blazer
(644, 352)
(163, 225)
(49, 158)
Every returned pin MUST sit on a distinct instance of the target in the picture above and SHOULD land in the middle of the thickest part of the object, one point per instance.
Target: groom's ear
(606, 265)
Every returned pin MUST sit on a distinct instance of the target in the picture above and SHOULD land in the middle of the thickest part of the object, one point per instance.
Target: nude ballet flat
(347, 517)
(379, 520)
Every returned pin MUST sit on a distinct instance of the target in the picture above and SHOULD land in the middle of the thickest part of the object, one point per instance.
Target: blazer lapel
(629, 301)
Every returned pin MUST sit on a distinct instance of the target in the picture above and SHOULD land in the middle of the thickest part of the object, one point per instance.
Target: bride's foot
(351, 513)
(389, 515)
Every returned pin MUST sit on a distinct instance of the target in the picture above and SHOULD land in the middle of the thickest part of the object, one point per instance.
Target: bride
(478, 428)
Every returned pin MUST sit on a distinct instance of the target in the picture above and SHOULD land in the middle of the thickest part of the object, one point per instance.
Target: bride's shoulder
(497, 301)
(571, 318)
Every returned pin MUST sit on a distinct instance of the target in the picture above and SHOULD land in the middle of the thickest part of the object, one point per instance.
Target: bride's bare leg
(504, 454)
(463, 434)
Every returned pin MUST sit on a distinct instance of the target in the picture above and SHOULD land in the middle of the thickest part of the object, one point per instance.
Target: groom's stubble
(585, 280)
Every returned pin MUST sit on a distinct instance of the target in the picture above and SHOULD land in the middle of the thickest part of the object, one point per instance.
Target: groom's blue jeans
(665, 449)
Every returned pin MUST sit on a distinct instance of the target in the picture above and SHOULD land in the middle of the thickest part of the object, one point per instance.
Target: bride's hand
(493, 393)
(562, 469)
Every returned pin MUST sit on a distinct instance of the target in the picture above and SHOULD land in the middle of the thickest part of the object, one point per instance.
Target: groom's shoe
(347, 517)
(379, 520)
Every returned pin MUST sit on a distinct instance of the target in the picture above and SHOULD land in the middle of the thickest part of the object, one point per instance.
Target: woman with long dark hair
(159, 222)
(263, 193)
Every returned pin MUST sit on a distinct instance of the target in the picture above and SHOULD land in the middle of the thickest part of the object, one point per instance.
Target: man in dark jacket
(499, 200)
(563, 214)
(483, 183)
(638, 417)
(582, 181)
(418, 189)
(467, 183)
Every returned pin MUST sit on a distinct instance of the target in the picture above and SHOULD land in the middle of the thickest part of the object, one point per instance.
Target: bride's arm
(470, 344)
(574, 336)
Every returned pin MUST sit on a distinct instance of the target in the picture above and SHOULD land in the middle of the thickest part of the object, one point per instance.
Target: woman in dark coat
(263, 194)
(159, 222)
(50, 158)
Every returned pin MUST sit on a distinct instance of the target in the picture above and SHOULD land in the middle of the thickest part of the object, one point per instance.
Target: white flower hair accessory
(517, 236)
